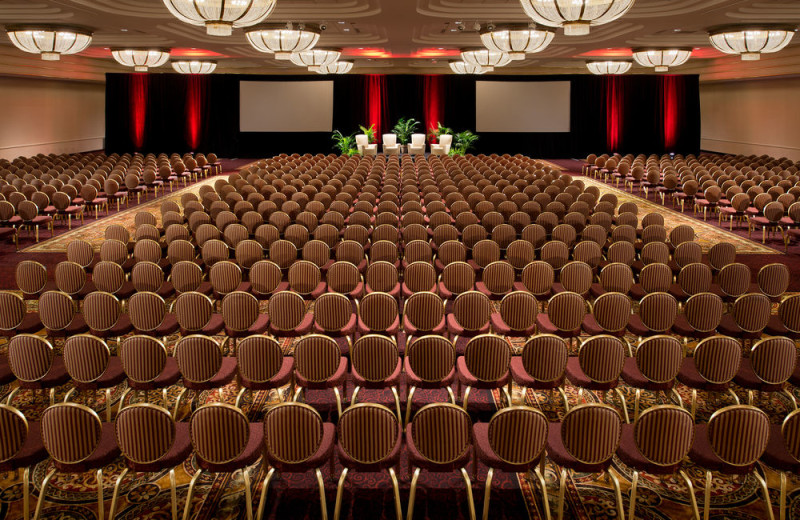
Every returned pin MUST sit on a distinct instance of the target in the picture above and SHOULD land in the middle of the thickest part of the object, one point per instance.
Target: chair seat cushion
(545, 326)
(387, 462)
(113, 376)
(522, 378)
(519, 286)
(418, 460)
(681, 327)
(702, 454)
(56, 376)
(30, 324)
(559, 454)
(393, 329)
(629, 453)
(412, 331)
(260, 326)
(303, 328)
(249, 456)
(105, 452)
(637, 327)
(500, 327)
(168, 377)
(179, 452)
(467, 378)
(348, 329)
(578, 377)
(323, 454)
(6, 375)
(225, 374)
(278, 380)
(776, 328)
(480, 286)
(337, 379)
(455, 328)
(31, 452)
(777, 455)
(214, 326)
(690, 376)
(488, 456)
(392, 380)
(634, 377)
(728, 327)
(747, 378)
(413, 379)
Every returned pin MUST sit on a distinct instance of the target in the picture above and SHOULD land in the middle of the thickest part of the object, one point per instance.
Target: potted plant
(434, 134)
(370, 133)
(403, 129)
(462, 142)
(346, 144)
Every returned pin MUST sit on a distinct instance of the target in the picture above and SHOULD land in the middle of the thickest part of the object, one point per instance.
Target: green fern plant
(404, 128)
(370, 133)
(434, 134)
(345, 144)
(462, 142)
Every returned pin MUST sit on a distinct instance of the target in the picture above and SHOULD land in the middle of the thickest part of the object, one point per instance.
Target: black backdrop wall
(172, 112)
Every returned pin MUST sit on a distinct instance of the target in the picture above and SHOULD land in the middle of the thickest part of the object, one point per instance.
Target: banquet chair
(202, 367)
(91, 367)
(148, 314)
(768, 367)
(147, 366)
(319, 365)
(430, 363)
(376, 365)
(598, 367)
(485, 365)
(715, 363)
(783, 453)
(654, 367)
(22, 449)
(262, 366)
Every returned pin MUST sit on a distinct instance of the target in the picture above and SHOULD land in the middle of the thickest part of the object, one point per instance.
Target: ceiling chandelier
(516, 39)
(484, 57)
(221, 16)
(50, 41)
(141, 59)
(461, 67)
(194, 66)
(662, 58)
(337, 67)
(751, 41)
(575, 16)
(282, 39)
(603, 67)
(315, 58)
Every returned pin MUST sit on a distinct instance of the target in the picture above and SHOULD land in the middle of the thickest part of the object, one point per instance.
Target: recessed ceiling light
(453, 30)
(346, 29)
(677, 30)
(340, 22)
(124, 30)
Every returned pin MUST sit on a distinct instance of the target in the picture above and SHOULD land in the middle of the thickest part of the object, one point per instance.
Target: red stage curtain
(433, 99)
(673, 103)
(375, 100)
(138, 104)
(614, 87)
(196, 99)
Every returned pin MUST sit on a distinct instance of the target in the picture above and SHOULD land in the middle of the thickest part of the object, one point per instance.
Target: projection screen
(285, 106)
(522, 106)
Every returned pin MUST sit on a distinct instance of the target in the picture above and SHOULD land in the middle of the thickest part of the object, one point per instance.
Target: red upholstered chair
(35, 366)
(731, 443)
(148, 314)
(748, 317)
(288, 317)
(497, 280)
(110, 277)
(656, 443)
(542, 365)
(262, 366)
(598, 366)
(31, 279)
(773, 280)
(439, 440)
(242, 317)
(195, 314)
(382, 277)
(485, 365)
(187, 276)
(423, 313)
(702, 315)
(715, 363)
(430, 363)
(783, 452)
(266, 279)
(517, 316)
(14, 318)
(148, 366)
(497, 444)
(565, 314)
(471, 315)
(654, 367)
(91, 367)
(334, 317)
(22, 448)
(305, 279)
(202, 366)
(71, 279)
(378, 314)
(224, 442)
(768, 367)
(296, 440)
(376, 365)
(87, 444)
(610, 315)
(585, 441)
(319, 365)
(344, 278)
(169, 444)
(369, 440)
(419, 277)
(103, 314)
(787, 321)
(657, 313)
(537, 278)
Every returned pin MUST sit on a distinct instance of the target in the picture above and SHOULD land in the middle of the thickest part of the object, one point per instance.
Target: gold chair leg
(26, 493)
(465, 400)
(694, 402)
(408, 403)
(173, 493)
(322, 503)
(692, 498)
(412, 494)
(398, 508)
(122, 400)
(264, 488)
(108, 405)
(239, 397)
(248, 494)
(564, 398)
(634, 481)
(100, 502)
(43, 493)
(539, 472)
(115, 494)
(763, 484)
(397, 403)
(636, 399)
(624, 404)
(487, 494)
(338, 400)
(354, 397)
(192, 483)
(178, 403)
(733, 394)
(781, 504)
(618, 492)
(451, 394)
(562, 483)
(707, 498)
(470, 500)
(339, 491)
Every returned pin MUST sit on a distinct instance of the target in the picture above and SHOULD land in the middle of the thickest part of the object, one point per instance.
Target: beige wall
(50, 116)
(752, 117)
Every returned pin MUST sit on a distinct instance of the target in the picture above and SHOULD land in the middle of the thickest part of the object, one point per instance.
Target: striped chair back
(147, 311)
(220, 432)
(658, 311)
(70, 432)
(378, 311)
(498, 277)
(591, 432)
(368, 432)
(225, 277)
(286, 310)
(445, 232)
(664, 434)
(545, 357)
(343, 277)
(734, 279)
(680, 234)
(292, 432)
(655, 278)
(704, 311)
(350, 251)
(616, 277)
(193, 311)
(81, 252)
(519, 253)
(654, 233)
(31, 277)
(688, 253)
(612, 310)
(718, 358)
(56, 310)
(418, 251)
(538, 278)
(145, 432)
(145, 276)
(535, 234)
(199, 358)
(485, 252)
(432, 358)
(259, 358)
(317, 357)
(12, 310)
(101, 310)
(518, 434)
(383, 251)
(109, 277)
(601, 358)
(386, 232)
(317, 252)
(180, 250)
(15, 431)
(695, 278)
(304, 277)
(420, 276)
(143, 358)
(265, 276)
(566, 311)
(332, 311)
(721, 254)
(374, 357)
(556, 254)
(70, 278)
(487, 357)
(752, 312)
(458, 277)
(283, 253)
(381, 276)
(442, 432)
(472, 310)
(655, 253)
(576, 277)
(30, 357)
(147, 250)
(791, 434)
(239, 310)
(659, 358)
(186, 276)
(789, 313)
(774, 359)
(248, 252)
(519, 310)
(739, 434)
(773, 280)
